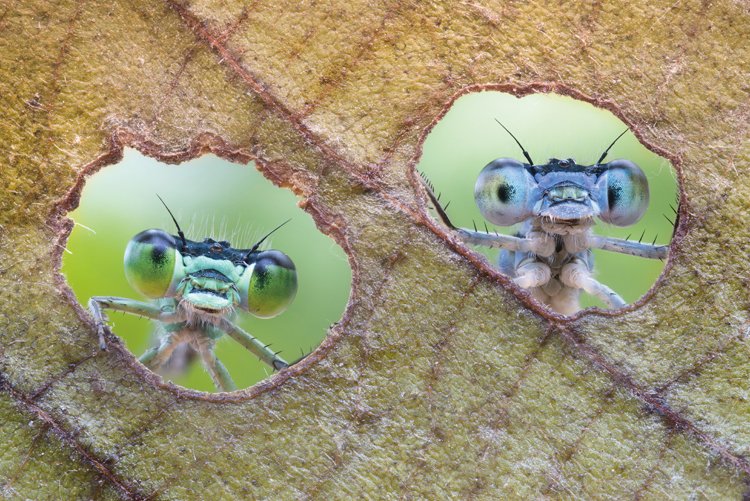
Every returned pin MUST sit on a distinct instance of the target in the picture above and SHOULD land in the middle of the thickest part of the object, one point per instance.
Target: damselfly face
(558, 203)
(197, 286)
(210, 277)
(564, 196)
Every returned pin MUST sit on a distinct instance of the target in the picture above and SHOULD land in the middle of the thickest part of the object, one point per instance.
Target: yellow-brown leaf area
(441, 379)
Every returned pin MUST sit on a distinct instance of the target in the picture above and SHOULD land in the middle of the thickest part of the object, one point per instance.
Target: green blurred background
(548, 125)
(210, 197)
(214, 198)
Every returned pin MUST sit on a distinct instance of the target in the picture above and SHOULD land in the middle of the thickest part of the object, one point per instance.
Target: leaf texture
(441, 379)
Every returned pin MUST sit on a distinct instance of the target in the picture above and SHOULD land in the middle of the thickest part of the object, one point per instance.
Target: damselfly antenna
(525, 153)
(607, 150)
(255, 247)
(179, 230)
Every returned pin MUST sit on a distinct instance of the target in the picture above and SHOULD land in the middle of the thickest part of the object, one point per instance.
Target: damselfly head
(211, 277)
(566, 193)
(561, 193)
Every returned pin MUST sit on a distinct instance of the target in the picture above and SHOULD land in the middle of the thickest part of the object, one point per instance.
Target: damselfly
(196, 288)
(557, 204)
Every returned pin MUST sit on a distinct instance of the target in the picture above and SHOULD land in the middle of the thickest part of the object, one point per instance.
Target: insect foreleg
(539, 243)
(256, 347)
(577, 275)
(139, 308)
(216, 369)
(628, 247)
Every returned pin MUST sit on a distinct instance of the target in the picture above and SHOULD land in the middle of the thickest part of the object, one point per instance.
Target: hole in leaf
(551, 126)
(210, 198)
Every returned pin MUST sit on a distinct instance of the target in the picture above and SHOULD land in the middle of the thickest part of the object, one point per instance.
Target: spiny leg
(219, 374)
(139, 308)
(256, 347)
(629, 247)
(577, 275)
(539, 243)
(224, 374)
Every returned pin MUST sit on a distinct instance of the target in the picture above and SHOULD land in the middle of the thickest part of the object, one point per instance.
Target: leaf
(441, 380)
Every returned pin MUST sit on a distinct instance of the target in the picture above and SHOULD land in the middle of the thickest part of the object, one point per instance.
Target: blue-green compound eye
(622, 193)
(152, 262)
(503, 192)
(269, 283)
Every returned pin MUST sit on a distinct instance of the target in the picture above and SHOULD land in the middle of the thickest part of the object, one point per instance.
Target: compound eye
(152, 262)
(504, 192)
(269, 283)
(622, 193)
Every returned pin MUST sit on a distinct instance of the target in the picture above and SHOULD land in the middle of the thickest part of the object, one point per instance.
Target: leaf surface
(441, 379)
